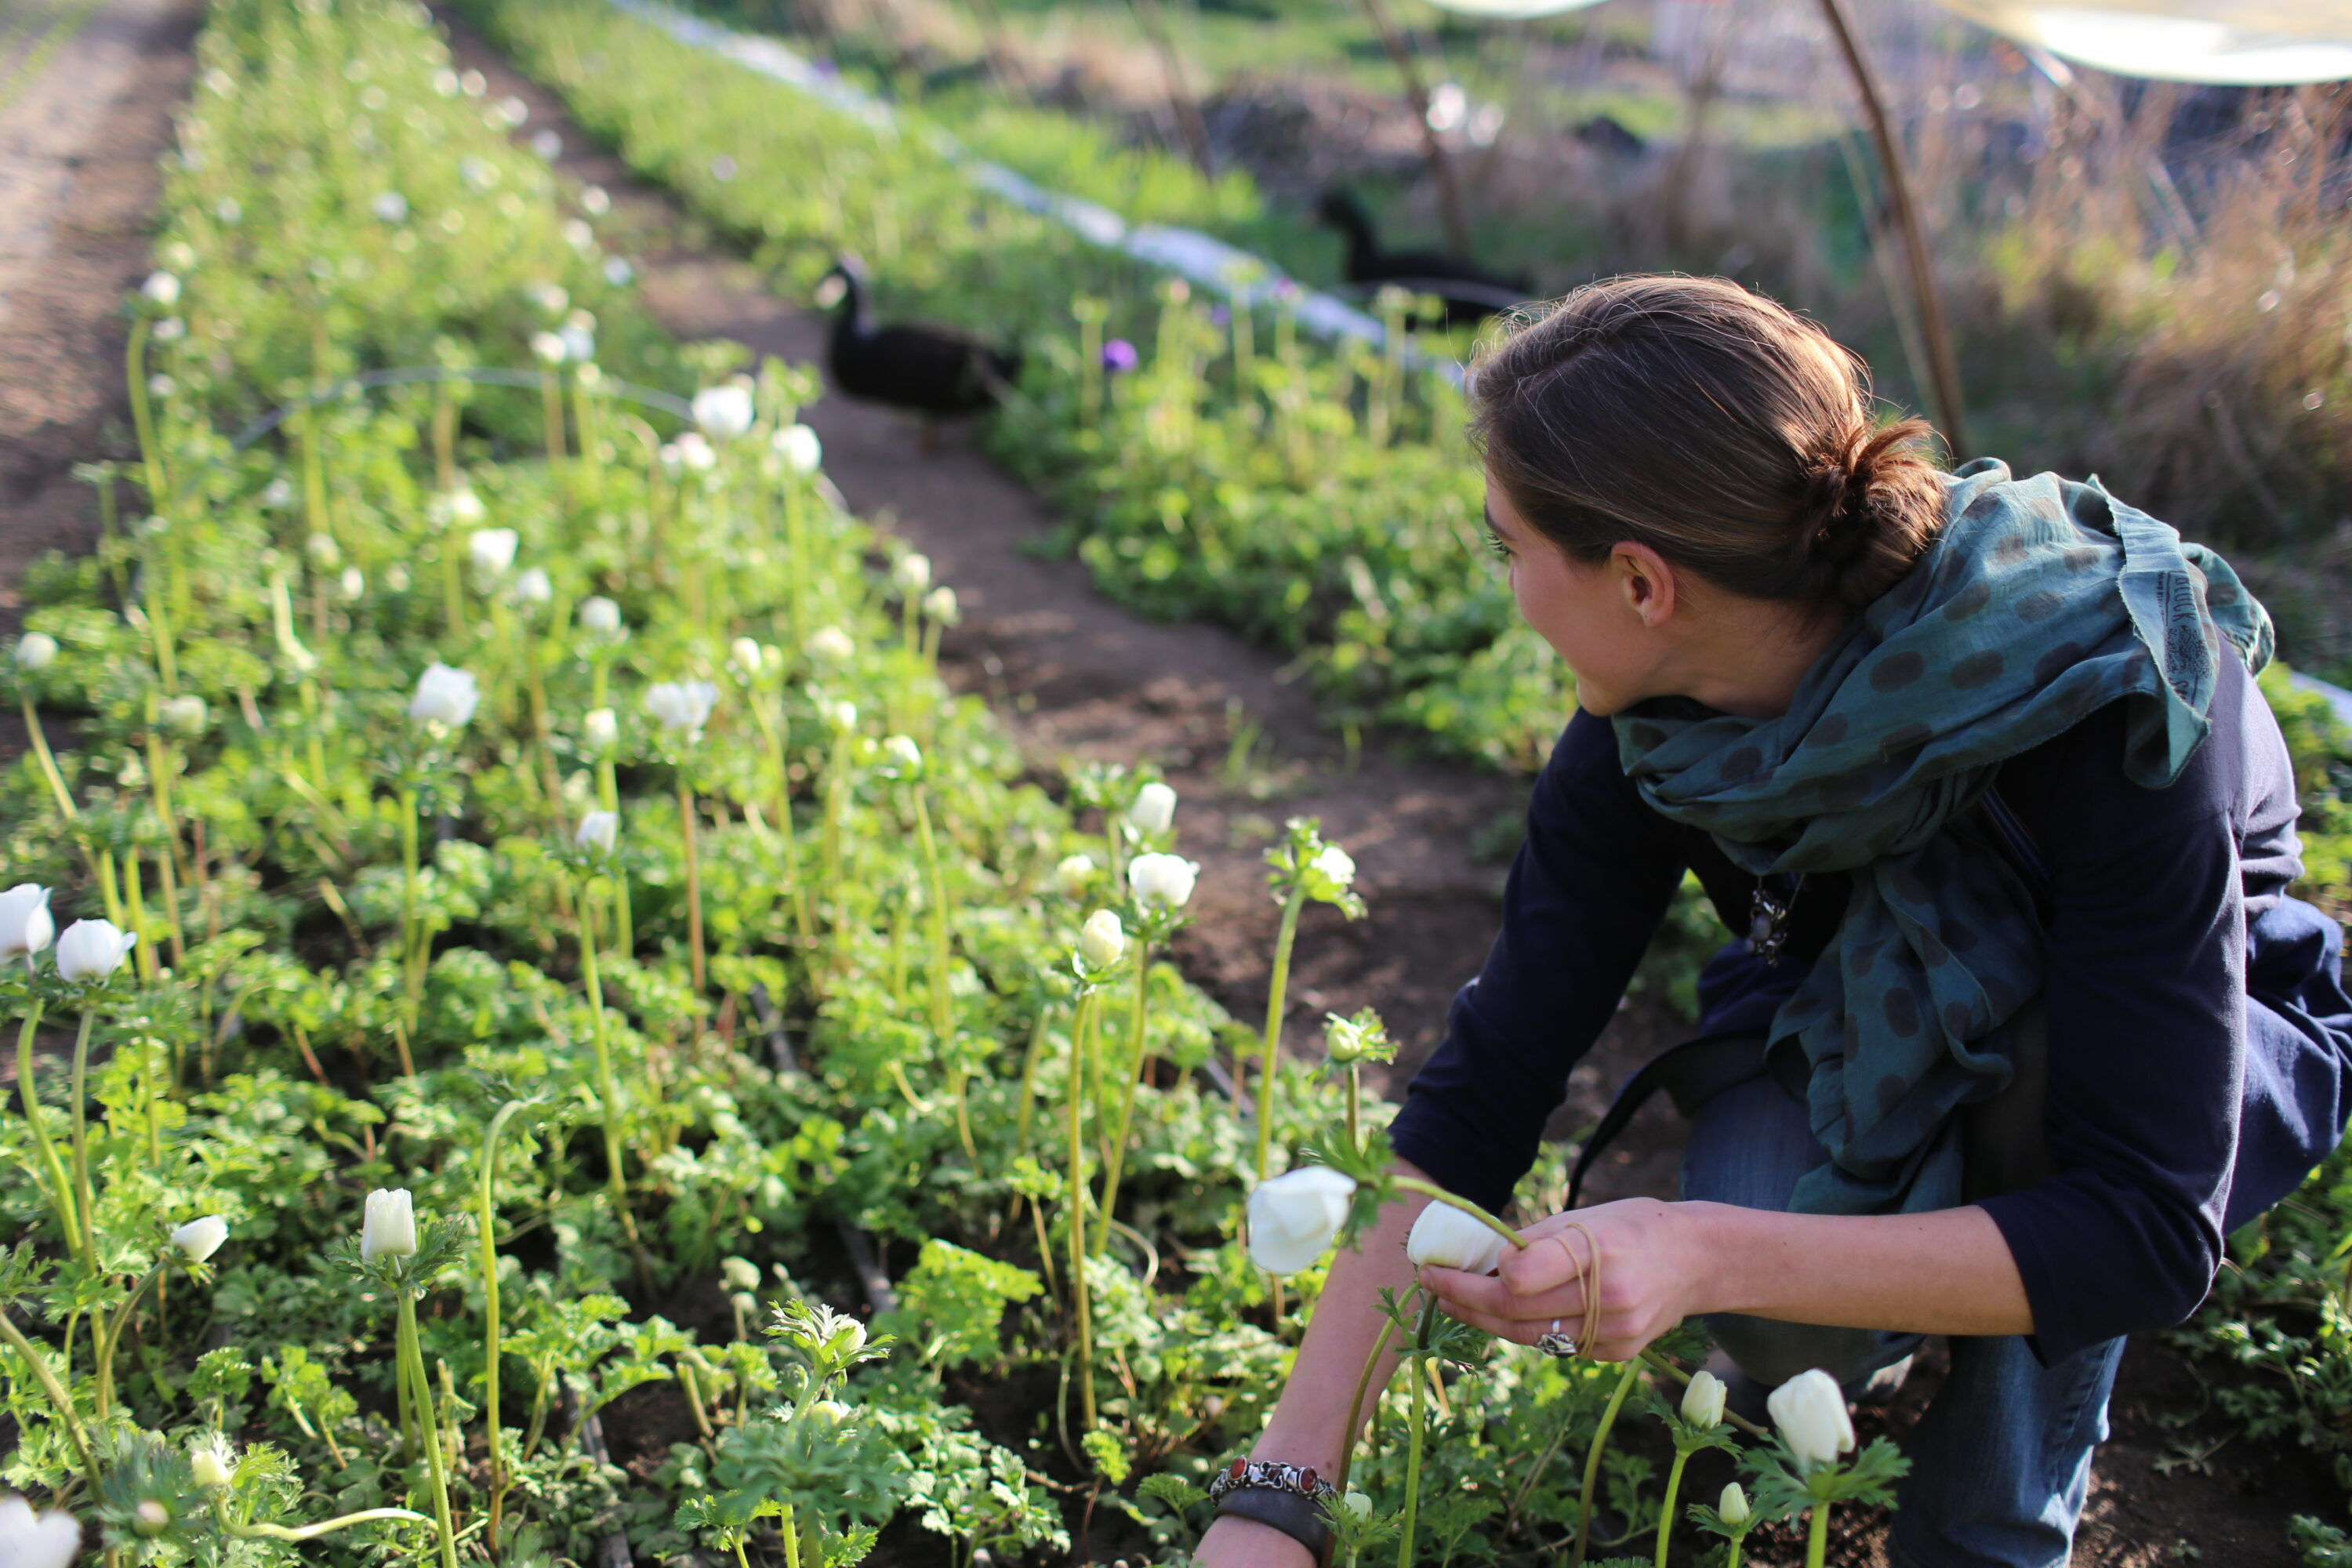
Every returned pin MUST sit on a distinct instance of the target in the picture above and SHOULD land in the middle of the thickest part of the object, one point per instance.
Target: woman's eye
(1495, 543)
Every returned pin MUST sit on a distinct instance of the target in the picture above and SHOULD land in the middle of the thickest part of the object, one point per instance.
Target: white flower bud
(600, 615)
(695, 454)
(1294, 1218)
(903, 754)
(1102, 941)
(547, 348)
(323, 551)
(445, 696)
(1359, 1506)
(1703, 1399)
(1732, 1506)
(183, 715)
(740, 1273)
(92, 950)
(747, 657)
(200, 1238)
(161, 289)
(35, 650)
(492, 550)
(534, 587)
(388, 1226)
(390, 206)
(723, 412)
(26, 926)
(831, 645)
(797, 444)
(1162, 880)
(1073, 875)
(1334, 866)
(912, 573)
(1154, 809)
(210, 1463)
(940, 604)
(1809, 1411)
(353, 582)
(841, 716)
(600, 728)
(1447, 1237)
(599, 832)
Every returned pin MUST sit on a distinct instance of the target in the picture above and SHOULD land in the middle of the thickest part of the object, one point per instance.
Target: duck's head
(845, 283)
(1341, 210)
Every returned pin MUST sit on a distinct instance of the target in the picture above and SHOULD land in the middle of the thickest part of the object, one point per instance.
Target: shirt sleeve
(1586, 894)
(2146, 998)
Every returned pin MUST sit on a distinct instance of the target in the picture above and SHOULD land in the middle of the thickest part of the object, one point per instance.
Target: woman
(2025, 1022)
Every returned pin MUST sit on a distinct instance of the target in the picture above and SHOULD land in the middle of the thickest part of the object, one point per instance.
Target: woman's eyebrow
(1487, 512)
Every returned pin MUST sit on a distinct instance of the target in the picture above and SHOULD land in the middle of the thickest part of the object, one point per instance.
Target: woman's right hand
(1233, 1542)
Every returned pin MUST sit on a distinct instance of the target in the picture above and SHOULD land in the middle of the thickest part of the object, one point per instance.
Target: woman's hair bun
(1860, 522)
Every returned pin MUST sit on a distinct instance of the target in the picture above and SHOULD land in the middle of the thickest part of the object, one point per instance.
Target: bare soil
(1073, 674)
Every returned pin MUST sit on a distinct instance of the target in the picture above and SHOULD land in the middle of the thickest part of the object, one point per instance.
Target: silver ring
(1554, 1343)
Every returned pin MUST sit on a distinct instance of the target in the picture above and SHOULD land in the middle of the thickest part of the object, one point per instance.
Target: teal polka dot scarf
(2041, 602)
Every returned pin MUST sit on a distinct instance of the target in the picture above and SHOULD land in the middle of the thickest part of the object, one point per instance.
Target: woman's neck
(1748, 658)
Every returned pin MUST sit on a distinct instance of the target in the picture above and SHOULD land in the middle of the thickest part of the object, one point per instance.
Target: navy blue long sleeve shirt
(2200, 1035)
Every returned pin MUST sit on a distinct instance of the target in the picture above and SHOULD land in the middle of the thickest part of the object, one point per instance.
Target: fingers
(1495, 1296)
(1558, 1252)
(1610, 1341)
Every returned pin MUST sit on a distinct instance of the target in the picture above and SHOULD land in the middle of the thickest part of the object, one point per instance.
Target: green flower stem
(1354, 1104)
(485, 1216)
(1081, 1034)
(142, 956)
(101, 861)
(1817, 1537)
(411, 973)
(106, 1336)
(942, 998)
(1592, 1459)
(1431, 1190)
(1356, 1408)
(608, 1097)
(608, 796)
(159, 497)
(693, 885)
(1271, 1048)
(61, 1191)
(550, 408)
(84, 1200)
(161, 764)
(1135, 1053)
(773, 729)
(1029, 1080)
(1731, 1550)
(60, 1400)
(1414, 1381)
(325, 1527)
(421, 1399)
(1666, 1512)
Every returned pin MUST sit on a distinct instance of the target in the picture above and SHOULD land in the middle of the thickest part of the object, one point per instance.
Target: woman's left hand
(1648, 1276)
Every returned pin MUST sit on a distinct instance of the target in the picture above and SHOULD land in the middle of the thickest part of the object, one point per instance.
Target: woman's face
(1600, 619)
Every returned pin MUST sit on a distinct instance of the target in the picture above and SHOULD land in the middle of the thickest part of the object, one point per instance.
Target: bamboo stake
(1441, 168)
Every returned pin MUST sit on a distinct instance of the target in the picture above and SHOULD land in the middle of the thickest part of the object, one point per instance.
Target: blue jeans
(2001, 1460)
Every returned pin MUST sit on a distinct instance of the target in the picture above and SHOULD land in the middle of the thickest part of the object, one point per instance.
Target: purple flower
(1118, 356)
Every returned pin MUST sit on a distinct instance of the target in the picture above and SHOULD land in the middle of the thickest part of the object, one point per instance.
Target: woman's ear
(1647, 580)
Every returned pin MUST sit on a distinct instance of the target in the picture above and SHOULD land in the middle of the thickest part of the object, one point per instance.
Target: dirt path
(77, 181)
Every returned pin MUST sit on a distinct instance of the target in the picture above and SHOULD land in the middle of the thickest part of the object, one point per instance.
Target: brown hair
(1726, 432)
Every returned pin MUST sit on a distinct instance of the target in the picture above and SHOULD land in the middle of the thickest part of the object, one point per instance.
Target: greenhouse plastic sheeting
(2249, 42)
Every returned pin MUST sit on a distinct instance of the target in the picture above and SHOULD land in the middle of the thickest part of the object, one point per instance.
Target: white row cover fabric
(2242, 42)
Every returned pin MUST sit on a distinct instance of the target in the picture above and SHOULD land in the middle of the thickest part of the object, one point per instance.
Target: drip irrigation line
(1202, 258)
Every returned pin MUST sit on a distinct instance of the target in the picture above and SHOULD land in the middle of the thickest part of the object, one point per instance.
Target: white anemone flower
(1294, 1218)
(183, 715)
(601, 729)
(534, 587)
(549, 348)
(27, 1540)
(724, 412)
(940, 606)
(831, 645)
(912, 573)
(388, 1226)
(695, 453)
(1102, 941)
(92, 950)
(600, 615)
(445, 696)
(681, 706)
(161, 289)
(1154, 809)
(599, 832)
(1074, 874)
(747, 657)
(797, 444)
(1809, 1411)
(1165, 881)
(35, 650)
(492, 550)
(1703, 1399)
(200, 1238)
(1445, 1237)
(26, 926)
